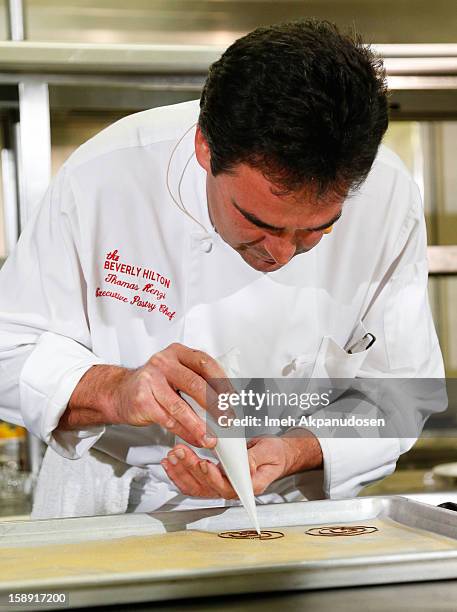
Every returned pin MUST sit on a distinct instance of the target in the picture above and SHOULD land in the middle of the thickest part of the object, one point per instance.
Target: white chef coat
(111, 210)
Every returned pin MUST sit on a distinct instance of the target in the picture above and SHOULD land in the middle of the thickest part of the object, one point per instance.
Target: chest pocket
(333, 362)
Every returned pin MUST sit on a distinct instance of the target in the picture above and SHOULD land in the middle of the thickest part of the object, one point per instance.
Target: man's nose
(281, 248)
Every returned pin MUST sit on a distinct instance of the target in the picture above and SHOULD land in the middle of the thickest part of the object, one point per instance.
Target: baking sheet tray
(161, 556)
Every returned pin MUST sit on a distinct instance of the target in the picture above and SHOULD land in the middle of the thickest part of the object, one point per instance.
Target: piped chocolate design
(337, 531)
(251, 534)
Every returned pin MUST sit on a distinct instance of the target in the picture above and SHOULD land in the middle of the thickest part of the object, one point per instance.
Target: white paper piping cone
(233, 455)
(232, 452)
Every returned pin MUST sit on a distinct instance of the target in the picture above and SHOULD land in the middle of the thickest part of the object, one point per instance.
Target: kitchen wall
(219, 21)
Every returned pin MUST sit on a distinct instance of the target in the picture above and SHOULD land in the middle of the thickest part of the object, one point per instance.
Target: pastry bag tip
(252, 512)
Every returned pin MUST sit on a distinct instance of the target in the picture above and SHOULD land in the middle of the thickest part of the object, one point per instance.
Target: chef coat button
(206, 245)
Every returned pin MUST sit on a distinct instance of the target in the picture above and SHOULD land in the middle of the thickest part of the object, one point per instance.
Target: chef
(258, 232)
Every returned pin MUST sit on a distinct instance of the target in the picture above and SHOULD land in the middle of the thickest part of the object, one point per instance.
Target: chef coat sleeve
(45, 342)
(406, 347)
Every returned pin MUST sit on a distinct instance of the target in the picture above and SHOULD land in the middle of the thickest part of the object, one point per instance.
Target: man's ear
(202, 152)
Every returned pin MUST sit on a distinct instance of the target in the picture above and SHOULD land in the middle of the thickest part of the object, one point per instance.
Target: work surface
(174, 554)
(130, 558)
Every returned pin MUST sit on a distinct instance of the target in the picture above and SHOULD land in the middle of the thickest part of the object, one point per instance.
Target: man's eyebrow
(256, 221)
(328, 224)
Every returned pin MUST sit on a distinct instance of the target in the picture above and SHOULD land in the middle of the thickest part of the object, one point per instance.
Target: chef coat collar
(186, 181)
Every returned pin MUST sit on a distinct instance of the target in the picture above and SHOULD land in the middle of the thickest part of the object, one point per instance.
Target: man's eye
(266, 229)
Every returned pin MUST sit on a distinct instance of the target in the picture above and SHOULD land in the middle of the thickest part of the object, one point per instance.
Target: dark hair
(299, 101)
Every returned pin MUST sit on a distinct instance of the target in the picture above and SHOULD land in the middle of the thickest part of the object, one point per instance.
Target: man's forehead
(259, 200)
(248, 180)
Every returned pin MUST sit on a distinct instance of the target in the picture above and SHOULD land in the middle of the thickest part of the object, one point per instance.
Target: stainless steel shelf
(39, 57)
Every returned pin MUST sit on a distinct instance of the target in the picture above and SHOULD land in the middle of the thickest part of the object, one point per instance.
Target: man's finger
(216, 380)
(151, 410)
(263, 477)
(253, 442)
(184, 480)
(180, 432)
(217, 481)
(179, 469)
(180, 411)
(199, 361)
(191, 461)
(175, 477)
(192, 384)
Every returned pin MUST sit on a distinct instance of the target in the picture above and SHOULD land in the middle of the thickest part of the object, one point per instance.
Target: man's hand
(149, 394)
(269, 460)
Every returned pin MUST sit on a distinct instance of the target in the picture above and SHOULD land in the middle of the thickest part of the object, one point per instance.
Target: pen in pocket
(362, 345)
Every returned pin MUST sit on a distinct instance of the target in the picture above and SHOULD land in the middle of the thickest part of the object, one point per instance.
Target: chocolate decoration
(251, 534)
(334, 532)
